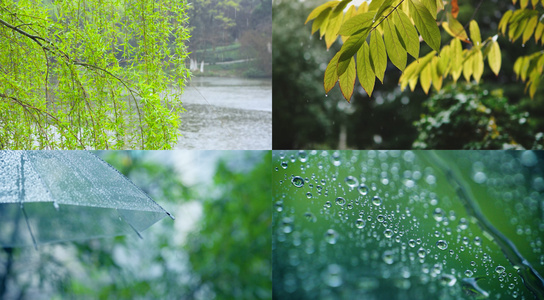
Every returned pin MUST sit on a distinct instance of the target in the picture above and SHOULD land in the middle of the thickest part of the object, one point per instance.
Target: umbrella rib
(21, 196)
(121, 216)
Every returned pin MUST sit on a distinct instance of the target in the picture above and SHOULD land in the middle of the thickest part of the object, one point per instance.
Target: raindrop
(298, 181)
(480, 177)
(331, 236)
(332, 275)
(376, 201)
(360, 223)
(468, 273)
(438, 214)
(287, 225)
(388, 233)
(421, 253)
(340, 201)
(442, 245)
(447, 280)
(363, 189)
(380, 218)
(284, 164)
(309, 195)
(310, 217)
(302, 156)
(499, 269)
(351, 181)
(328, 204)
(412, 243)
(56, 205)
(388, 257)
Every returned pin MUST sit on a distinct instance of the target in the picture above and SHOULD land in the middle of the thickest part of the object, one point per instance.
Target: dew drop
(56, 205)
(468, 273)
(388, 257)
(442, 245)
(332, 276)
(284, 164)
(499, 269)
(310, 217)
(377, 201)
(363, 189)
(309, 195)
(331, 236)
(298, 181)
(351, 181)
(412, 243)
(388, 233)
(340, 201)
(421, 253)
(360, 223)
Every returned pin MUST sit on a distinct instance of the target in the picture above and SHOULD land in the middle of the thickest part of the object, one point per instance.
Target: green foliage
(93, 74)
(397, 21)
(235, 234)
(468, 117)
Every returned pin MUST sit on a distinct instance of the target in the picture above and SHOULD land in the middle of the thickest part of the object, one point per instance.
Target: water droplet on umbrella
(298, 181)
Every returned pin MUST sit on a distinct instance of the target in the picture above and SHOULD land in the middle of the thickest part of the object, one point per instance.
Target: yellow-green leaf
(504, 21)
(477, 64)
(517, 66)
(375, 5)
(538, 31)
(455, 29)
(321, 21)
(396, 52)
(365, 73)
(356, 23)
(331, 76)
(385, 5)
(523, 3)
(335, 21)
(467, 67)
(318, 10)
(436, 78)
(475, 33)
(456, 55)
(534, 3)
(494, 58)
(408, 33)
(425, 78)
(529, 29)
(534, 81)
(378, 54)
(350, 47)
(443, 61)
(426, 24)
(431, 6)
(347, 80)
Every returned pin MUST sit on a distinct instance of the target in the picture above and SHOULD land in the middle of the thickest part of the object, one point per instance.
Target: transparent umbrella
(54, 196)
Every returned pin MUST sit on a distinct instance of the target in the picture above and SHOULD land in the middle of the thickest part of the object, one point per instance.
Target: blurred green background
(217, 248)
(393, 224)
(459, 117)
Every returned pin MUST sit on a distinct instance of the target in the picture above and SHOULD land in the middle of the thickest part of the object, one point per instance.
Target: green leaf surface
(331, 75)
(347, 80)
(357, 23)
(407, 33)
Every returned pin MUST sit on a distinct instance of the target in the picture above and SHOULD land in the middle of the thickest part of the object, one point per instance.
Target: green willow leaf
(408, 33)
(347, 80)
(426, 24)
(365, 73)
(378, 54)
(396, 52)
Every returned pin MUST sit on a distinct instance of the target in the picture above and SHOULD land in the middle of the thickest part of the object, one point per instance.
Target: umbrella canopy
(53, 196)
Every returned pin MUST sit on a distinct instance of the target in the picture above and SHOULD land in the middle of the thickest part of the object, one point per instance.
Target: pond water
(227, 113)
